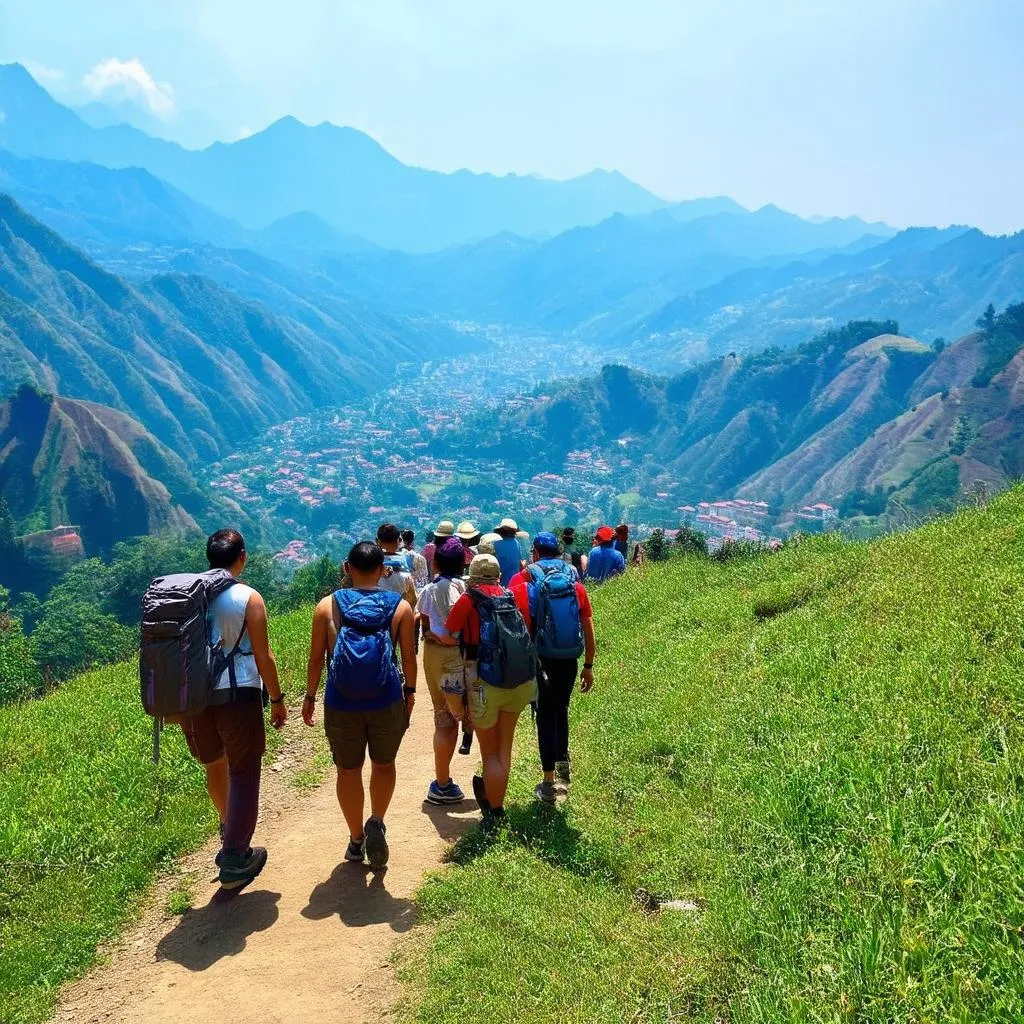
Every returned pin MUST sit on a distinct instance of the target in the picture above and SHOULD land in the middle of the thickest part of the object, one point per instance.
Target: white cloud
(43, 75)
(242, 133)
(128, 79)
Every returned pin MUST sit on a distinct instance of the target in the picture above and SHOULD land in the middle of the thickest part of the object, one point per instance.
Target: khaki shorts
(445, 672)
(352, 733)
(486, 702)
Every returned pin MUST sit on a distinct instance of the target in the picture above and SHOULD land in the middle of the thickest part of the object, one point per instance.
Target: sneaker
(355, 854)
(467, 743)
(545, 792)
(563, 772)
(449, 794)
(375, 844)
(220, 853)
(480, 792)
(237, 870)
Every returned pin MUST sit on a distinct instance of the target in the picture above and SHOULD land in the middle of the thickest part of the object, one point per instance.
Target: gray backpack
(178, 663)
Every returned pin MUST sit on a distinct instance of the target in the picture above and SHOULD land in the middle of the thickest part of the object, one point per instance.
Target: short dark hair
(365, 556)
(451, 566)
(224, 548)
(408, 538)
(388, 533)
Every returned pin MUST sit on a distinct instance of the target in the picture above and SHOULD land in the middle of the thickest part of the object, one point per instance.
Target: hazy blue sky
(905, 110)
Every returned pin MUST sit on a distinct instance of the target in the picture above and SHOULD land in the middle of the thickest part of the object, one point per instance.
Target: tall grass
(821, 750)
(86, 819)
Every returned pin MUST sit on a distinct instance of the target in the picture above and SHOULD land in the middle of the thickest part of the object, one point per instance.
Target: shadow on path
(359, 898)
(453, 821)
(220, 929)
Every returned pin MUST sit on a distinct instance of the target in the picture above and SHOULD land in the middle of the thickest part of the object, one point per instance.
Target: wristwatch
(311, 697)
(280, 700)
(588, 666)
(408, 690)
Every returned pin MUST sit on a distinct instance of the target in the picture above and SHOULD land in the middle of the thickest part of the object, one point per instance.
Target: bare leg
(496, 750)
(217, 785)
(382, 788)
(446, 739)
(506, 736)
(350, 797)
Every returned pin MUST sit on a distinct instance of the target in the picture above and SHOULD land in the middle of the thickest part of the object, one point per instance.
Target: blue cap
(546, 542)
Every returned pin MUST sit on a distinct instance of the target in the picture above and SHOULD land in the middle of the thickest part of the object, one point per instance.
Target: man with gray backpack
(204, 662)
(562, 624)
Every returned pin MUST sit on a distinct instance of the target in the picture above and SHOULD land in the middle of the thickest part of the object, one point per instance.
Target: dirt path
(310, 940)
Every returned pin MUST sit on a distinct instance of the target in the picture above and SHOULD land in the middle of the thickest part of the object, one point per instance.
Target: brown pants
(234, 730)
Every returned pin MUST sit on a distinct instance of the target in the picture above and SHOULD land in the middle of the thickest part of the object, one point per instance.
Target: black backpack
(178, 663)
(506, 656)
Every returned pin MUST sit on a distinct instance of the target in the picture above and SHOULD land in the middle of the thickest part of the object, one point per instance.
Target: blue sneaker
(450, 794)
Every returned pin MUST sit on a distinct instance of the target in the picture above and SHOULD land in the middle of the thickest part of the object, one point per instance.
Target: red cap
(605, 534)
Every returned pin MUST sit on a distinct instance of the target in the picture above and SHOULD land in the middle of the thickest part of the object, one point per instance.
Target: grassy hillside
(821, 749)
(86, 820)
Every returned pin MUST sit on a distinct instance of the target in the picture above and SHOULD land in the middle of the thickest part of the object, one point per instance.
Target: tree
(19, 675)
(75, 635)
(938, 345)
(8, 541)
(657, 546)
(691, 542)
(314, 581)
(987, 321)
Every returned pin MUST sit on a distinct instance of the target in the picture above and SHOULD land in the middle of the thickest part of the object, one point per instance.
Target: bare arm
(405, 637)
(256, 624)
(590, 645)
(317, 657)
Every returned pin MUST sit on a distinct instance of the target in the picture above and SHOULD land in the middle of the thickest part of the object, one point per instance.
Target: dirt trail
(310, 940)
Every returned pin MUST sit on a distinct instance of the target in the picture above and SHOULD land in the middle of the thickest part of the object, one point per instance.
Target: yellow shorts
(443, 669)
(486, 702)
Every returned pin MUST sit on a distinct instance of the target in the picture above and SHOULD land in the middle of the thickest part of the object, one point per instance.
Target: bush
(691, 542)
(657, 546)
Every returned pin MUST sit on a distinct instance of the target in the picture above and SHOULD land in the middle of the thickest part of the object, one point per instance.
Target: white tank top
(227, 614)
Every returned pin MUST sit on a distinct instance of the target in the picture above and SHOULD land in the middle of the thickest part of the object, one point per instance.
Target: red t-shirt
(521, 581)
(464, 618)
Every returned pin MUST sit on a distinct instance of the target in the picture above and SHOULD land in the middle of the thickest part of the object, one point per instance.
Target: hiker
(622, 540)
(397, 576)
(470, 537)
(445, 529)
(442, 666)
(604, 561)
(420, 569)
(507, 550)
(561, 622)
(575, 558)
(366, 707)
(228, 738)
(500, 675)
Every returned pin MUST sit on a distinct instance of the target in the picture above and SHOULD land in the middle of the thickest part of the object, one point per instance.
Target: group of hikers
(500, 628)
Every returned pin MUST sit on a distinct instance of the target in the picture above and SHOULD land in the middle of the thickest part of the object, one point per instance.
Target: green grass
(821, 748)
(86, 820)
(182, 897)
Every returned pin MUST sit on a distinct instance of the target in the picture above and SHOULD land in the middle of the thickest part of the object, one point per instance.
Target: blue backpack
(506, 657)
(555, 609)
(363, 665)
(400, 561)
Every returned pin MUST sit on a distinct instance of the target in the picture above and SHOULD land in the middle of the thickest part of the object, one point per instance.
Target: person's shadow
(220, 929)
(359, 898)
(453, 821)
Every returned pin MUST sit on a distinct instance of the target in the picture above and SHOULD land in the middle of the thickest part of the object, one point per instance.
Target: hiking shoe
(355, 854)
(545, 792)
(220, 853)
(467, 743)
(449, 794)
(493, 821)
(237, 870)
(563, 772)
(480, 792)
(375, 844)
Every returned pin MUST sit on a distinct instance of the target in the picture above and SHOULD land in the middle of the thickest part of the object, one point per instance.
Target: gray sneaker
(546, 793)
(375, 845)
(237, 870)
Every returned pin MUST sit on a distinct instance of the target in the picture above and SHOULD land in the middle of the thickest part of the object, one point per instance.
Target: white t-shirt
(227, 613)
(428, 604)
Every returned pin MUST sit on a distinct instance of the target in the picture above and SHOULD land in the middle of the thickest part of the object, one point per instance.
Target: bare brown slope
(64, 461)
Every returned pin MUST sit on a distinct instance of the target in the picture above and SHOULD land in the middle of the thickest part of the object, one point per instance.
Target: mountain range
(856, 410)
(337, 173)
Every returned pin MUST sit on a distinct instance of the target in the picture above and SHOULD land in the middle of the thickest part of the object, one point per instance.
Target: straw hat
(487, 542)
(467, 532)
(445, 528)
(507, 528)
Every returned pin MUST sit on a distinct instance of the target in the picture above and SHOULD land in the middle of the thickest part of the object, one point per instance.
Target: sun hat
(546, 542)
(484, 569)
(487, 542)
(507, 527)
(604, 535)
(467, 532)
(445, 528)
